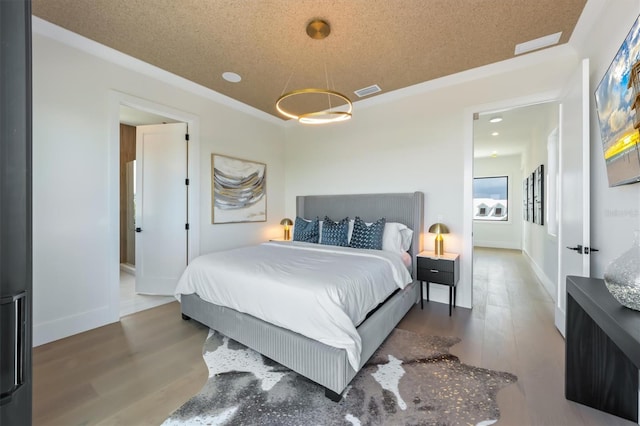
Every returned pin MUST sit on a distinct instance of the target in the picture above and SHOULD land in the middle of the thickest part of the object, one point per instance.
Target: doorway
(118, 103)
(511, 148)
(131, 299)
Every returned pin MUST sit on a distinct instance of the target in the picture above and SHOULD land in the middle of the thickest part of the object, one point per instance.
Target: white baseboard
(547, 282)
(560, 320)
(497, 244)
(64, 327)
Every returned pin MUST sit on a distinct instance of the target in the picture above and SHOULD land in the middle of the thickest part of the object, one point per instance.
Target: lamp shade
(286, 221)
(438, 228)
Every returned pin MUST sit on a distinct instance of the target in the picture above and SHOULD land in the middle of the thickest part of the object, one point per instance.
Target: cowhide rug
(411, 380)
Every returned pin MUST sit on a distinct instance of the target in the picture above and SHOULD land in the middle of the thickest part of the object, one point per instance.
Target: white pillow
(396, 236)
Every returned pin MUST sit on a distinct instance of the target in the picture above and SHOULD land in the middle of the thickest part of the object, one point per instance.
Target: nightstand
(443, 269)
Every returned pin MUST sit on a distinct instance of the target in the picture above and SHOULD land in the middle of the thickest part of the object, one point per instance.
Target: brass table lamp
(286, 222)
(439, 229)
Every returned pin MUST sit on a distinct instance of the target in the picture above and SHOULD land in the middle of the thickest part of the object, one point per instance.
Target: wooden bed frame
(325, 365)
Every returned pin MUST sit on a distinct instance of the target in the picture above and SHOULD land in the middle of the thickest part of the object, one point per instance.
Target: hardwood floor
(140, 370)
(133, 372)
(511, 328)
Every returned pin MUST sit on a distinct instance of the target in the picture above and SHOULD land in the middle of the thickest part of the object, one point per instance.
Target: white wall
(499, 234)
(417, 142)
(541, 248)
(73, 229)
(615, 212)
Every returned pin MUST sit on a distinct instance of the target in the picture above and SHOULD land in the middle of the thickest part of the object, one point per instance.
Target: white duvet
(322, 292)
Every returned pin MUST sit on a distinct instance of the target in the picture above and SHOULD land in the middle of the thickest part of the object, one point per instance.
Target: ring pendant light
(317, 29)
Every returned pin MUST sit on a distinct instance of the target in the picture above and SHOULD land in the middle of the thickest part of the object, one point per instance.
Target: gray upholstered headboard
(406, 208)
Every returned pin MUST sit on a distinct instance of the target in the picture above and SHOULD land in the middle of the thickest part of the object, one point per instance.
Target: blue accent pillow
(367, 237)
(335, 233)
(306, 230)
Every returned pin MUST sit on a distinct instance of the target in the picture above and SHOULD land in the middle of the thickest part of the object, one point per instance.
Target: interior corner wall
(501, 234)
(413, 143)
(540, 247)
(72, 180)
(615, 212)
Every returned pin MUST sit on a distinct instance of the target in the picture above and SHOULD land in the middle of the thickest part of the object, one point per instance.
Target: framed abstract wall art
(238, 190)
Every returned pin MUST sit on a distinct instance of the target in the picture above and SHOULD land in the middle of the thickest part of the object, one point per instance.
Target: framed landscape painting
(238, 190)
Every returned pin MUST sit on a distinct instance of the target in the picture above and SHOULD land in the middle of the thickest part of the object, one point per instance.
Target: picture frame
(538, 195)
(238, 190)
(530, 208)
(617, 99)
(525, 199)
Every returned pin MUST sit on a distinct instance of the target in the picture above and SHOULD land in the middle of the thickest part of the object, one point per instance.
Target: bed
(327, 365)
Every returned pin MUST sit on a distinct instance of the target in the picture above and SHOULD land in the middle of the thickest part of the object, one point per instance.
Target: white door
(573, 230)
(161, 207)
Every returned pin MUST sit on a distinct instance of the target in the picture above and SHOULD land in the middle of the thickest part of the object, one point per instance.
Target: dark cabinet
(602, 349)
(443, 269)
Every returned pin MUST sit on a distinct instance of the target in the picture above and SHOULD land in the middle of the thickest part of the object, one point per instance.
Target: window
(490, 198)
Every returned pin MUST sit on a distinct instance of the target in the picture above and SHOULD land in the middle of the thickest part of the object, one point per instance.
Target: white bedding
(322, 292)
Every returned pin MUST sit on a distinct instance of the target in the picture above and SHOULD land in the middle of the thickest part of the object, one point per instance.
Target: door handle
(138, 229)
(17, 312)
(582, 250)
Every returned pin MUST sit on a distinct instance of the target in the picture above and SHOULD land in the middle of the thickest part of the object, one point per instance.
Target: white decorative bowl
(622, 276)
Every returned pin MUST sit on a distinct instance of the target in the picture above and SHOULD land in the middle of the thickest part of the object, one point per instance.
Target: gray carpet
(411, 380)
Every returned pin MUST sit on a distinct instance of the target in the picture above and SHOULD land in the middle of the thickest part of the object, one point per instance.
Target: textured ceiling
(391, 43)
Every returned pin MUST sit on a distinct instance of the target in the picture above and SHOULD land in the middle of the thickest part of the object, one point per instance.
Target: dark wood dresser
(602, 349)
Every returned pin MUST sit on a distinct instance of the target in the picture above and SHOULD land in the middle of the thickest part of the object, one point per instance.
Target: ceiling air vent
(368, 91)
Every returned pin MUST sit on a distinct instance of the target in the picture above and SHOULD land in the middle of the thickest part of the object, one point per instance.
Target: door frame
(117, 99)
(466, 298)
(560, 308)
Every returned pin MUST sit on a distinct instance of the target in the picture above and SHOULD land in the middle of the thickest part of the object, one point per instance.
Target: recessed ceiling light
(231, 77)
(495, 134)
(495, 119)
(538, 43)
